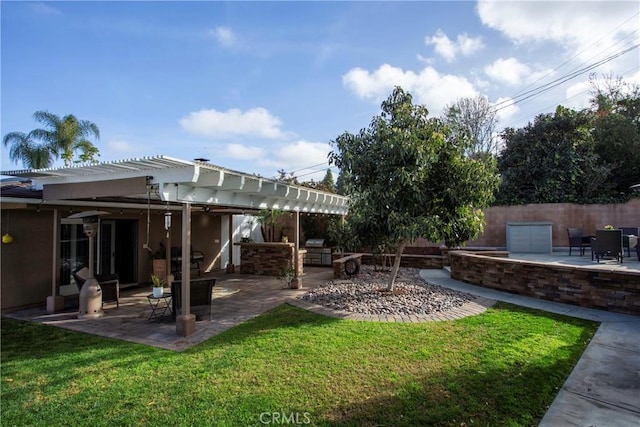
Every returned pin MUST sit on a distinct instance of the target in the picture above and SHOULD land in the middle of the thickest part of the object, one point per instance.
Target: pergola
(177, 184)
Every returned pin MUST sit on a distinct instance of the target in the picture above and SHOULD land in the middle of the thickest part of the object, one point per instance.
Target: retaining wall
(612, 290)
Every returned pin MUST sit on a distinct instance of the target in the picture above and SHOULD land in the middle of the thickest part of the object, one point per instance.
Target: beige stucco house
(187, 204)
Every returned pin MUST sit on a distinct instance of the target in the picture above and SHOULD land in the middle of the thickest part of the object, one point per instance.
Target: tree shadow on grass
(517, 393)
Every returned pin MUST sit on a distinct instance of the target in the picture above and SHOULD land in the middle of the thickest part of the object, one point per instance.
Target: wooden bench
(347, 266)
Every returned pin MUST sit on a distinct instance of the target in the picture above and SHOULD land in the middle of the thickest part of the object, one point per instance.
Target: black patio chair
(578, 240)
(607, 243)
(201, 291)
(626, 232)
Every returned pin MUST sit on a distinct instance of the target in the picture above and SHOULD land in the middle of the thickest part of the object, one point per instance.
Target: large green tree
(552, 160)
(616, 129)
(408, 177)
(65, 138)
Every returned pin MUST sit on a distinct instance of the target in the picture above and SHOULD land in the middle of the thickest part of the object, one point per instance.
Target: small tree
(408, 177)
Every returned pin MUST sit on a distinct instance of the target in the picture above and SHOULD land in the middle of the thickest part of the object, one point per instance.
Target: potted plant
(287, 274)
(158, 286)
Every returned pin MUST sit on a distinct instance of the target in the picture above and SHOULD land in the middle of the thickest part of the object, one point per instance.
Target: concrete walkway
(604, 387)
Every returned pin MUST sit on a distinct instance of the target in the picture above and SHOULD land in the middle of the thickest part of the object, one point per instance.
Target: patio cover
(177, 181)
(169, 181)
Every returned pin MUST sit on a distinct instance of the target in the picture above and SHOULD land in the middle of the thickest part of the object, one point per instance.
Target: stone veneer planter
(611, 290)
(268, 259)
(407, 260)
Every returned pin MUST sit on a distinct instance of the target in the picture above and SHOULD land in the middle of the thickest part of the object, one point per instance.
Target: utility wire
(583, 50)
(548, 86)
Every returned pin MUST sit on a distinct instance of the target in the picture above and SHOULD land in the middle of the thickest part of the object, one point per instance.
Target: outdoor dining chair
(626, 232)
(578, 240)
(607, 243)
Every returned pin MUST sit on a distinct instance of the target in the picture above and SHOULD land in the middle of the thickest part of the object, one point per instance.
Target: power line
(584, 49)
(548, 86)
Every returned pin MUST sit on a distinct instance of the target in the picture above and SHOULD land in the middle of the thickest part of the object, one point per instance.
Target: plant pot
(160, 268)
(158, 292)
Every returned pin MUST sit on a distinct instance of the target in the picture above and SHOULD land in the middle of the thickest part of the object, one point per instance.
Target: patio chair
(607, 243)
(626, 232)
(201, 290)
(110, 284)
(578, 240)
(176, 260)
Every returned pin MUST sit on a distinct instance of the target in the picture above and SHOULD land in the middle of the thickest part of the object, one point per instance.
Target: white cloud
(297, 155)
(512, 72)
(506, 108)
(225, 36)
(243, 152)
(212, 123)
(44, 9)
(448, 49)
(569, 23)
(428, 87)
(578, 95)
(122, 146)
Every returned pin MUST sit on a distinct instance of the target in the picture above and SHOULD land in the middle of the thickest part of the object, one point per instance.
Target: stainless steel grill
(317, 253)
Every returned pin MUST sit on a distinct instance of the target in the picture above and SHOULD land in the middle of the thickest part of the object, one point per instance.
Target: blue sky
(263, 86)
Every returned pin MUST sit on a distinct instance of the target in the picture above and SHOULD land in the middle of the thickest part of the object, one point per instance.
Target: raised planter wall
(407, 260)
(582, 286)
(268, 259)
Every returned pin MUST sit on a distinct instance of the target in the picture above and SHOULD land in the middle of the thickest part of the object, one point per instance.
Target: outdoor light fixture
(167, 222)
(91, 293)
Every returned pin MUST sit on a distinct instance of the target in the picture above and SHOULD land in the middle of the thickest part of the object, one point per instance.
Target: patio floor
(237, 298)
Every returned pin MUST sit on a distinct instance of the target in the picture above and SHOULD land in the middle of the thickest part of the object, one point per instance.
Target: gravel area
(367, 294)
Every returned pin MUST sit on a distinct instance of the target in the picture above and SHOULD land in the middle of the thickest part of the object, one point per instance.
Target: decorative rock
(367, 294)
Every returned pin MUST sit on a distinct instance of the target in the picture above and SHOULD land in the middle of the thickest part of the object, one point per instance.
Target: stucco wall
(25, 264)
(562, 215)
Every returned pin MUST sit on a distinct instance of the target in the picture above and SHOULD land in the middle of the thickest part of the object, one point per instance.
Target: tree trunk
(396, 266)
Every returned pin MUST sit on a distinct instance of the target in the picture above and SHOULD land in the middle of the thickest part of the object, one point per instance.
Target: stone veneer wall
(611, 290)
(407, 260)
(268, 259)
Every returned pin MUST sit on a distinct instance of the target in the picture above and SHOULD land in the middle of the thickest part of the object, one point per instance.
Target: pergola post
(186, 322)
(55, 302)
(296, 282)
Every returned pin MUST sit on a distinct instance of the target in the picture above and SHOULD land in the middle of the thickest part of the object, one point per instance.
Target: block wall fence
(562, 215)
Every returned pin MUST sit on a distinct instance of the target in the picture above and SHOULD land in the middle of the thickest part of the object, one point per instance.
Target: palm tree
(29, 152)
(67, 135)
(62, 137)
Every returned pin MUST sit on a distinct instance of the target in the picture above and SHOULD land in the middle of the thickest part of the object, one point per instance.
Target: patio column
(297, 280)
(55, 302)
(186, 322)
(230, 265)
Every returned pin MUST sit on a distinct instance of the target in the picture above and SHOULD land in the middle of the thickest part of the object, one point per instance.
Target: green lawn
(503, 367)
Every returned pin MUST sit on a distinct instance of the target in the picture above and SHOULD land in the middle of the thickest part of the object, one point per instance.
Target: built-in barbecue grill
(317, 253)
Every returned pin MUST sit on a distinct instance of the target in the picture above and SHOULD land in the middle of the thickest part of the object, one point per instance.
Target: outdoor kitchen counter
(268, 259)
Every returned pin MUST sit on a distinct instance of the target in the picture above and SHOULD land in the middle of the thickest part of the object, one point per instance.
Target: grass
(289, 366)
